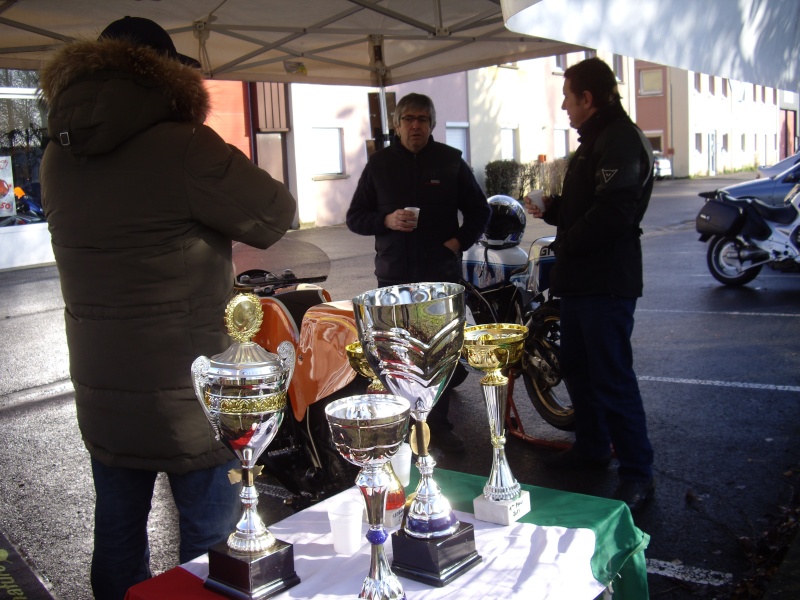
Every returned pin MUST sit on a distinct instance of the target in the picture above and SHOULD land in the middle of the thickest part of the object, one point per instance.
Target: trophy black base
(251, 576)
(435, 561)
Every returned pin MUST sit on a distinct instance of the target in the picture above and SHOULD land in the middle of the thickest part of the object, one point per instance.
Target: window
(698, 142)
(698, 82)
(712, 85)
(560, 143)
(589, 54)
(327, 152)
(561, 62)
(456, 136)
(619, 68)
(655, 141)
(724, 142)
(744, 142)
(724, 88)
(508, 143)
(22, 139)
(651, 82)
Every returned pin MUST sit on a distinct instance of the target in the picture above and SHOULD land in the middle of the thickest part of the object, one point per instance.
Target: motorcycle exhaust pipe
(753, 255)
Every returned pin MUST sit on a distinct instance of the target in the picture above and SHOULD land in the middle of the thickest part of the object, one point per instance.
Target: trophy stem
(430, 514)
(251, 535)
(381, 583)
(501, 484)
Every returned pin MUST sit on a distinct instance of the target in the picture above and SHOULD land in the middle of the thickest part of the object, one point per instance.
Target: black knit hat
(145, 32)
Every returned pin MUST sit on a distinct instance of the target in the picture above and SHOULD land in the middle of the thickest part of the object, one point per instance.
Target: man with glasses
(416, 171)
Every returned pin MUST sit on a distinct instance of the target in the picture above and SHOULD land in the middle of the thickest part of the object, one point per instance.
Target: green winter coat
(143, 202)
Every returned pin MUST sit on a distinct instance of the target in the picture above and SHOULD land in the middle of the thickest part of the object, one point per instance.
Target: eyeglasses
(409, 120)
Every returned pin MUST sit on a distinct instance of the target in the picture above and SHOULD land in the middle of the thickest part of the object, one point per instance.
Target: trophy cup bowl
(411, 336)
(242, 392)
(367, 431)
(358, 362)
(490, 349)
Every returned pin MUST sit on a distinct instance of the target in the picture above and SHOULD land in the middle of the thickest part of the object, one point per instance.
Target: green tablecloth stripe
(619, 550)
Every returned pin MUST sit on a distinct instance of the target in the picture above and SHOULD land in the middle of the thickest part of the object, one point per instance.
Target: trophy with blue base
(411, 335)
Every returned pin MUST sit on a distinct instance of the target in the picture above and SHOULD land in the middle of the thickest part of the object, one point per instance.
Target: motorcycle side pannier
(719, 218)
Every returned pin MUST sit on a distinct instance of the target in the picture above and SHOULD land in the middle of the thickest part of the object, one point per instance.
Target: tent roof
(315, 41)
(756, 41)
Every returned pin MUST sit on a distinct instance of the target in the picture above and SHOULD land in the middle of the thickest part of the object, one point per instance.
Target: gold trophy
(490, 349)
(355, 354)
(243, 394)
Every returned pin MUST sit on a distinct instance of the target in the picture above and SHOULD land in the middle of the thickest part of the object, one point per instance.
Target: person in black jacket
(416, 171)
(598, 276)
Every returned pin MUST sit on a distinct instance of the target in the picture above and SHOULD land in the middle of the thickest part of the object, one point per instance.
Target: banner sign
(8, 202)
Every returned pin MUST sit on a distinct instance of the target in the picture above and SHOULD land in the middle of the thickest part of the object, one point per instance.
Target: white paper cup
(401, 463)
(345, 520)
(415, 210)
(536, 198)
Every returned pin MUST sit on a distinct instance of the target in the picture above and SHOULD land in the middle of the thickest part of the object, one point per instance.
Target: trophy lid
(243, 358)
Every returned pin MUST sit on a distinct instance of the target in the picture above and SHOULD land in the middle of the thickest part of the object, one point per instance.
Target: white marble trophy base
(502, 512)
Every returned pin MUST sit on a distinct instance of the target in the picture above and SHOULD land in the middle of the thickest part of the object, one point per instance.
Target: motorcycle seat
(777, 214)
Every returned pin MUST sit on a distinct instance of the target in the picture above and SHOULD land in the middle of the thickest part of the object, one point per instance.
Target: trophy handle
(200, 368)
(287, 355)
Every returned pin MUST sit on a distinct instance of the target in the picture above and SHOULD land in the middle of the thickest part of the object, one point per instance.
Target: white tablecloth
(519, 561)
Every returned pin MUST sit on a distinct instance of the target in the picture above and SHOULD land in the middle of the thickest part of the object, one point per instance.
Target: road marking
(41, 392)
(732, 384)
(713, 312)
(677, 570)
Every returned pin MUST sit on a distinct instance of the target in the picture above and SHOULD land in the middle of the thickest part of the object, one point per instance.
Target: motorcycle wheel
(724, 263)
(541, 369)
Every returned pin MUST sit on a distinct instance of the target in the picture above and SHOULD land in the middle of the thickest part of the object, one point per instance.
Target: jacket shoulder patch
(608, 174)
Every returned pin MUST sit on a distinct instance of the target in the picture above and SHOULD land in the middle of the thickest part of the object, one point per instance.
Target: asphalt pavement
(718, 368)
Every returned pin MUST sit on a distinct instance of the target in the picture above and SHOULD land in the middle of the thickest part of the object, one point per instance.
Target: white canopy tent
(755, 41)
(355, 42)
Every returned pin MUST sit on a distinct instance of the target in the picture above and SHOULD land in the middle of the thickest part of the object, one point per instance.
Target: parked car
(662, 167)
(772, 190)
(778, 167)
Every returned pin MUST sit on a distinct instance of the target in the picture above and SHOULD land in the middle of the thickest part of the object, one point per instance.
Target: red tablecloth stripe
(175, 584)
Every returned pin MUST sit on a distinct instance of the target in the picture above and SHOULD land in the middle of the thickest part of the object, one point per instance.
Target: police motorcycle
(508, 285)
(746, 234)
(285, 277)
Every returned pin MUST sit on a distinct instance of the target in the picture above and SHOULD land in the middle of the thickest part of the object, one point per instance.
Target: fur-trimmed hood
(100, 93)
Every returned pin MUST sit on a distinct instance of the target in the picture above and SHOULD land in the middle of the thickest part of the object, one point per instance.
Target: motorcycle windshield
(287, 261)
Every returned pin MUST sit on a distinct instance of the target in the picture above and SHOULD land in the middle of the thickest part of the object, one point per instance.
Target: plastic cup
(401, 463)
(536, 198)
(345, 520)
(415, 210)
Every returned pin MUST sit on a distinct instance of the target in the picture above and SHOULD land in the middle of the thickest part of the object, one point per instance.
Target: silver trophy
(411, 336)
(490, 349)
(243, 394)
(367, 431)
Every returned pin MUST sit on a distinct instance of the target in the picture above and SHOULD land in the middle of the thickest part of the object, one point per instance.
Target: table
(569, 547)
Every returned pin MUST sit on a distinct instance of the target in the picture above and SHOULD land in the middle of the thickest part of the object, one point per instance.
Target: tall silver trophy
(411, 336)
(367, 431)
(490, 349)
(243, 394)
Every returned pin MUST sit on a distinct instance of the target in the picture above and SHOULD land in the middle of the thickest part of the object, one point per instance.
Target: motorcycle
(512, 286)
(302, 457)
(27, 209)
(746, 234)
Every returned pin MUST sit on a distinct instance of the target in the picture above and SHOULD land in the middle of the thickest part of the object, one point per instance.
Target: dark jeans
(208, 507)
(597, 366)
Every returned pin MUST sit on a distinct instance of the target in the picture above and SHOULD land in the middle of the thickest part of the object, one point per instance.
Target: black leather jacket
(605, 195)
(441, 184)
